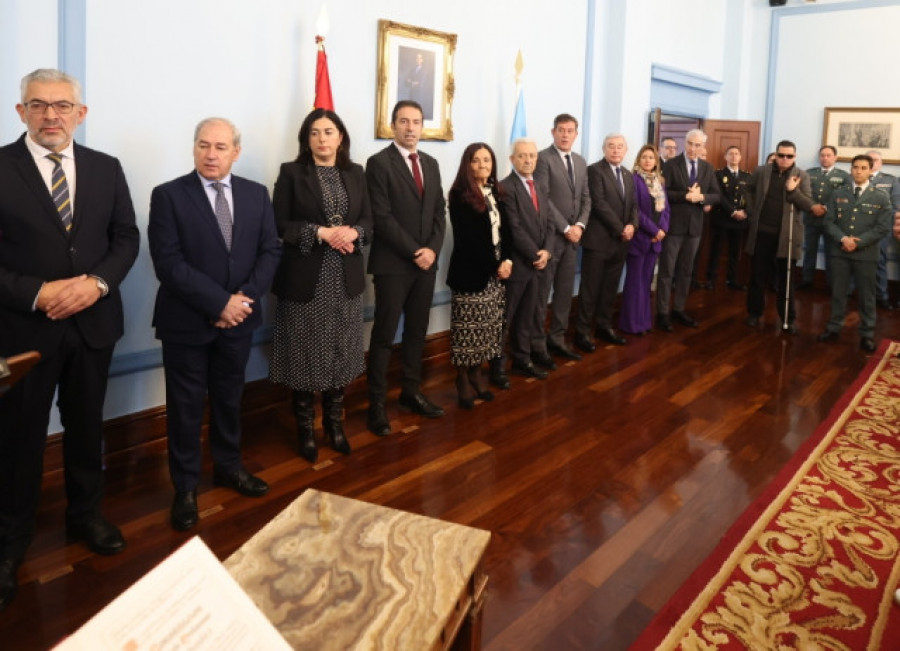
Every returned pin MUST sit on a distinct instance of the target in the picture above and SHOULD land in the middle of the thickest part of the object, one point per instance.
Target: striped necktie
(59, 191)
(223, 213)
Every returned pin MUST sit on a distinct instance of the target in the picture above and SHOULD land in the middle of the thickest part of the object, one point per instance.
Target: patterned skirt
(476, 324)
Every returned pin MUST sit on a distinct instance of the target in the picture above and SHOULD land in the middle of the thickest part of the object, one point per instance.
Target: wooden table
(335, 573)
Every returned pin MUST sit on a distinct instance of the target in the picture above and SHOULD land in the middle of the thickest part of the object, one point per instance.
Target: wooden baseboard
(148, 427)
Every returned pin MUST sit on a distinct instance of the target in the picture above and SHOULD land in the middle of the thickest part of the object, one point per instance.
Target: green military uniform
(822, 185)
(868, 217)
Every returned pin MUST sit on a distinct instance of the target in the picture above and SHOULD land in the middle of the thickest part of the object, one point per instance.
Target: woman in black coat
(324, 219)
(477, 265)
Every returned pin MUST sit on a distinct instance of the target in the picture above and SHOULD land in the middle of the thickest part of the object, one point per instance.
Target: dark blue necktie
(693, 172)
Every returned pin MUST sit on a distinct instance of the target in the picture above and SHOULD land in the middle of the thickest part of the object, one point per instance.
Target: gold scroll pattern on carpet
(818, 568)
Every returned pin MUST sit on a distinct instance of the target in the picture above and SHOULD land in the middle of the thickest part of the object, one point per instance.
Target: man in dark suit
(729, 219)
(614, 217)
(62, 258)
(690, 185)
(215, 249)
(562, 176)
(409, 213)
(528, 226)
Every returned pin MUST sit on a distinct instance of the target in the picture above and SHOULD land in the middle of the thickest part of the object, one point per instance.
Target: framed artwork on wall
(857, 130)
(417, 64)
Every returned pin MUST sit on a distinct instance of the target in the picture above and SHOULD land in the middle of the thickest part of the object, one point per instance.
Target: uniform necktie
(570, 169)
(223, 213)
(857, 191)
(59, 190)
(693, 172)
(619, 182)
(417, 175)
(534, 199)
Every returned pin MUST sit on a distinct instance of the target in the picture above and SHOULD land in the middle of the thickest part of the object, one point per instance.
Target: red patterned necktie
(417, 175)
(533, 194)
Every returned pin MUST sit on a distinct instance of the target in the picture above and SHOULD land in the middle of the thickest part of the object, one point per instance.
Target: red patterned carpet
(815, 561)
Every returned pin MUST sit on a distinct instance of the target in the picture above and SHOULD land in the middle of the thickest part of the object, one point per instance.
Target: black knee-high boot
(305, 413)
(333, 420)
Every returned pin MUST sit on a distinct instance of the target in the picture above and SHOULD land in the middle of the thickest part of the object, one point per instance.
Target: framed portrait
(415, 63)
(857, 130)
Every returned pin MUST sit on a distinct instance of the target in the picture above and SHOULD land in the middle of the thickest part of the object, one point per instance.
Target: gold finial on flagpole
(519, 65)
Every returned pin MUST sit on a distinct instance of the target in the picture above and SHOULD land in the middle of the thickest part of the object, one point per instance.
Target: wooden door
(722, 134)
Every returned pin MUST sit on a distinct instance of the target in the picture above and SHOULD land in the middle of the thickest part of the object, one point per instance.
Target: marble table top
(336, 573)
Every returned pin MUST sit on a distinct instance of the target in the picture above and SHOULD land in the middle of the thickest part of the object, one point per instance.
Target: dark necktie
(570, 169)
(693, 172)
(223, 213)
(59, 190)
(417, 175)
(857, 191)
(619, 182)
(533, 194)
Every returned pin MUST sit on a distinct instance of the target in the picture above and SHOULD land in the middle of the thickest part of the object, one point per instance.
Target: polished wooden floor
(603, 486)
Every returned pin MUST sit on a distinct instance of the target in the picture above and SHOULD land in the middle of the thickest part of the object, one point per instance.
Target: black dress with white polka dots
(318, 345)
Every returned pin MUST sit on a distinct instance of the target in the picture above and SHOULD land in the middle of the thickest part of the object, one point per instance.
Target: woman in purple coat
(653, 222)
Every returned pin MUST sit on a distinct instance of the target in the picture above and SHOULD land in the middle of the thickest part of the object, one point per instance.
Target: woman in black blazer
(324, 219)
(477, 265)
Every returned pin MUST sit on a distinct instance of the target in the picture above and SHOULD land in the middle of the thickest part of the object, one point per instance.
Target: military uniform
(822, 185)
(891, 185)
(868, 217)
(732, 197)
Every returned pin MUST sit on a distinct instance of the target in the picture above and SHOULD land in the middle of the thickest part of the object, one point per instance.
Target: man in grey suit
(408, 209)
(614, 218)
(690, 185)
(562, 175)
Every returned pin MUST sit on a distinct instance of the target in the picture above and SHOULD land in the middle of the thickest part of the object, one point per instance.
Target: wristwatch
(101, 285)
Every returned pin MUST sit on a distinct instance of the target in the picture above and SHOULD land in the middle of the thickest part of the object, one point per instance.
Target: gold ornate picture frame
(857, 130)
(415, 63)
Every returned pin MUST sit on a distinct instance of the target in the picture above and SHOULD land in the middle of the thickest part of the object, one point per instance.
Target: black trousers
(601, 272)
(80, 373)
(194, 372)
(764, 265)
(408, 295)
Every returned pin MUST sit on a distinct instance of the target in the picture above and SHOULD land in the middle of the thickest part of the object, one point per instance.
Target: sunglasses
(788, 156)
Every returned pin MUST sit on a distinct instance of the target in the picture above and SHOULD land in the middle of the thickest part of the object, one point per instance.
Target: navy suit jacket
(610, 211)
(686, 217)
(197, 273)
(35, 248)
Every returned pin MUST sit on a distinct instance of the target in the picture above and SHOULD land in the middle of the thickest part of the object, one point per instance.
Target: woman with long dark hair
(477, 267)
(324, 219)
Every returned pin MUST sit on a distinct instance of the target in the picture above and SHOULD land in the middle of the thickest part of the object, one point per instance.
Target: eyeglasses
(788, 156)
(39, 107)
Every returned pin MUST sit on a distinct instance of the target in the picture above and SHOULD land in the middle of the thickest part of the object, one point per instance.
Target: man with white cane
(779, 192)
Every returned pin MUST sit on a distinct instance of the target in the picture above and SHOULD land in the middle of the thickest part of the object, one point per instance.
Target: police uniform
(732, 197)
(822, 184)
(889, 184)
(868, 217)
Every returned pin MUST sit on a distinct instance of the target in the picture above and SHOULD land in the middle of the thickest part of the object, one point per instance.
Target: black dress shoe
(806, 284)
(752, 321)
(707, 285)
(828, 335)
(8, 582)
(663, 322)
(184, 510)
(241, 481)
(684, 319)
(101, 536)
(790, 328)
(499, 379)
(527, 369)
(419, 404)
(583, 342)
(884, 304)
(610, 335)
(561, 350)
(543, 359)
(377, 420)
(867, 344)
(736, 286)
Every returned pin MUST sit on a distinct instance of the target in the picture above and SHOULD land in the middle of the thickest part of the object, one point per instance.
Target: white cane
(787, 290)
